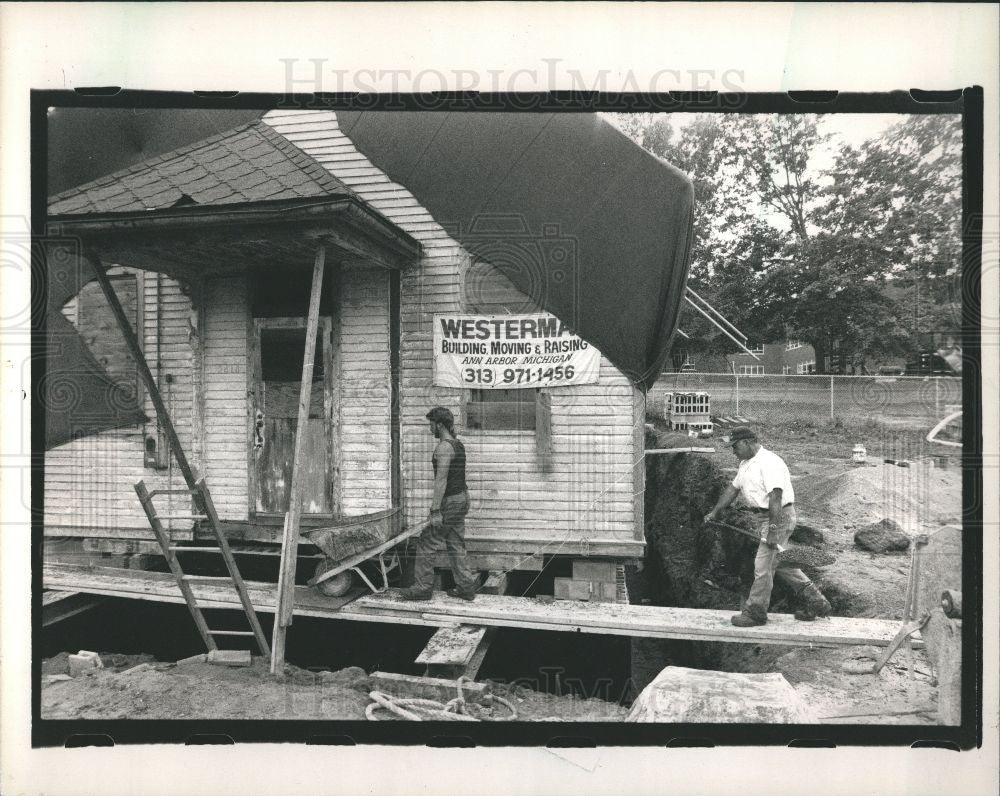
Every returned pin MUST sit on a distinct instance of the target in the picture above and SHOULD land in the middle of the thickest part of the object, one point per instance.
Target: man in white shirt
(765, 485)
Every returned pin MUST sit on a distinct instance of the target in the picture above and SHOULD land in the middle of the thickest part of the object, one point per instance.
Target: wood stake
(290, 537)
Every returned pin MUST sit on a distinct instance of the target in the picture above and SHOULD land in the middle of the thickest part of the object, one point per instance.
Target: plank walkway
(488, 610)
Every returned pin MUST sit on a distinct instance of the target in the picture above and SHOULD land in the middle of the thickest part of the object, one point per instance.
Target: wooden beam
(59, 605)
(132, 343)
(395, 371)
(543, 430)
(638, 464)
(652, 451)
(489, 610)
(332, 388)
(290, 538)
(450, 650)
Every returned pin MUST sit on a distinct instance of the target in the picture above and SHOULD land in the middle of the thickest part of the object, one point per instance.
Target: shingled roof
(250, 163)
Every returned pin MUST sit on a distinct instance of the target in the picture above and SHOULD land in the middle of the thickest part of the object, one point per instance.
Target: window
(756, 348)
(751, 370)
(805, 367)
(786, 370)
(493, 410)
(791, 345)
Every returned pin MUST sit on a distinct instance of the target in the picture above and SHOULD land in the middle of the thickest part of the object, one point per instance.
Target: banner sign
(502, 352)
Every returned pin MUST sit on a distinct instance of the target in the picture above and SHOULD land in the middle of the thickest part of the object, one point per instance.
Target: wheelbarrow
(353, 541)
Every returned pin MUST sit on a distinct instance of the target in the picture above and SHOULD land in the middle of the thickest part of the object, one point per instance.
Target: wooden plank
(333, 407)
(543, 430)
(290, 540)
(59, 605)
(395, 424)
(654, 451)
(594, 570)
(452, 646)
(490, 610)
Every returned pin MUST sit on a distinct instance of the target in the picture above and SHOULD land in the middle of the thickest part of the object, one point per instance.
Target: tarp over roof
(510, 185)
(499, 182)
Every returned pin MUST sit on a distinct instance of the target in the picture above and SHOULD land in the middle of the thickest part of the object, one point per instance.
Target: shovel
(751, 535)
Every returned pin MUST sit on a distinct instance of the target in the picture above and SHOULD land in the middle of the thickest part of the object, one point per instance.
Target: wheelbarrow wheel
(336, 586)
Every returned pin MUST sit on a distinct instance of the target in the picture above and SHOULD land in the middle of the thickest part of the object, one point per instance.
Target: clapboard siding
(591, 493)
(89, 481)
(227, 430)
(365, 392)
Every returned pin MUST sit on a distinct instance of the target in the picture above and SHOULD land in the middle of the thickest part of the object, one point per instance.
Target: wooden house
(210, 248)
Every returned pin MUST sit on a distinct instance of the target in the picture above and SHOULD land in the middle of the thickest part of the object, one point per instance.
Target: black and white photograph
(528, 416)
(502, 418)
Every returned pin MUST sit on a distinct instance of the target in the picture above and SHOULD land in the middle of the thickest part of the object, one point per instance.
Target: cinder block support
(593, 581)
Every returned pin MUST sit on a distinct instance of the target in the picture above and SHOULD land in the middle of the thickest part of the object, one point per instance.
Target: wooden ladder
(203, 499)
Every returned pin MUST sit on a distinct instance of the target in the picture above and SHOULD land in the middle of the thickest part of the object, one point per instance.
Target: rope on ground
(413, 709)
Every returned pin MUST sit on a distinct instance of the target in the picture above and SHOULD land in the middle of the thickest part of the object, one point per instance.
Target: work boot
(462, 595)
(813, 604)
(751, 616)
(413, 593)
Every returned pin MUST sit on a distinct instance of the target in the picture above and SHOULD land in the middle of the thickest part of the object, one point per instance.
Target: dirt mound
(205, 691)
(882, 537)
(917, 497)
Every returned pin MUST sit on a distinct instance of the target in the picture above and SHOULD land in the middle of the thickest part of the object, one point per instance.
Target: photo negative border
(967, 101)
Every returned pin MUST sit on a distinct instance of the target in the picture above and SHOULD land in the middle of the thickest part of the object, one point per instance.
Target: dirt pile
(918, 497)
(164, 690)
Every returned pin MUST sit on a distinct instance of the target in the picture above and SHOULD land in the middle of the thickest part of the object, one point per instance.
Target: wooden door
(278, 348)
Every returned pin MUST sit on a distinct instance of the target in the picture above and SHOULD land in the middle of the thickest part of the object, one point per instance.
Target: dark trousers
(451, 536)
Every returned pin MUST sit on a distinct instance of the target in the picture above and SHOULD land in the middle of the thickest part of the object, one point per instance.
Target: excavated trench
(691, 565)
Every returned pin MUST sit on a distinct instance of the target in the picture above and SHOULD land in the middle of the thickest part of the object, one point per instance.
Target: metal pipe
(721, 329)
(721, 316)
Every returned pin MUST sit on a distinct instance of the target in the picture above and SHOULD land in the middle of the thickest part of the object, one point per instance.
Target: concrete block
(589, 590)
(193, 659)
(594, 570)
(229, 657)
(84, 661)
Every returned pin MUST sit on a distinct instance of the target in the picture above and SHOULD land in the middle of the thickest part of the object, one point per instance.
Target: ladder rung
(182, 549)
(156, 492)
(208, 578)
(182, 517)
(231, 632)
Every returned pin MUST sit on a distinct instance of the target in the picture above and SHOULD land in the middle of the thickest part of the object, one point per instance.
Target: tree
(859, 257)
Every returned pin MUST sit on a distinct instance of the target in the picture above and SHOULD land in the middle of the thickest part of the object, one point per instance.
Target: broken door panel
(279, 349)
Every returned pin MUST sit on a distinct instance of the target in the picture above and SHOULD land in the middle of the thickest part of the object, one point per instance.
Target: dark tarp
(578, 216)
(79, 396)
(571, 210)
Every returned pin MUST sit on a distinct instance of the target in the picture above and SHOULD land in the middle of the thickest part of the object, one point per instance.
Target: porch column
(290, 537)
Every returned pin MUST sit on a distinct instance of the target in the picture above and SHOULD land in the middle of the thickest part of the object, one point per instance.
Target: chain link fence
(770, 399)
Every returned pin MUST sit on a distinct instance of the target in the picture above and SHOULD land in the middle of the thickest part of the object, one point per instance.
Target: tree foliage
(859, 255)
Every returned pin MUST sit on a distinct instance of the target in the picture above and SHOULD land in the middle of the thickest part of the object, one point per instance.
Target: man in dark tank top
(449, 505)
